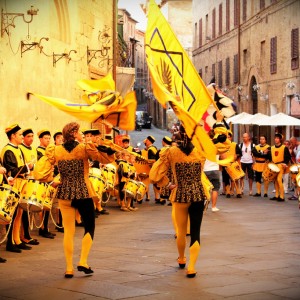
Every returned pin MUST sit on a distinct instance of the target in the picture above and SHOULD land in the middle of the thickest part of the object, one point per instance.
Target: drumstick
(19, 172)
(6, 178)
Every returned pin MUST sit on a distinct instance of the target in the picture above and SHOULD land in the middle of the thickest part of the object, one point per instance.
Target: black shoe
(2, 260)
(140, 201)
(104, 212)
(228, 196)
(13, 248)
(69, 275)
(23, 246)
(163, 202)
(170, 204)
(85, 270)
(266, 195)
(60, 229)
(46, 234)
(274, 198)
(32, 242)
(97, 212)
(257, 195)
(147, 199)
(280, 199)
(239, 196)
(79, 224)
(157, 201)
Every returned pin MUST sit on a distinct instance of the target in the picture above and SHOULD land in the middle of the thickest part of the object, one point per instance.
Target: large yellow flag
(175, 79)
(103, 103)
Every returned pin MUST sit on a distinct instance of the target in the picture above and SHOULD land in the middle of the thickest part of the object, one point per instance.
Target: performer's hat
(279, 135)
(27, 131)
(150, 138)
(43, 132)
(12, 129)
(56, 134)
(126, 138)
(167, 140)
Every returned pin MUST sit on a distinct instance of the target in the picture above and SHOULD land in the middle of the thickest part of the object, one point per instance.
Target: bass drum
(33, 195)
(9, 199)
(235, 171)
(270, 172)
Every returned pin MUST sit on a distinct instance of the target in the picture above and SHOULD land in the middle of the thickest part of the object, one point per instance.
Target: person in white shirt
(211, 170)
(247, 160)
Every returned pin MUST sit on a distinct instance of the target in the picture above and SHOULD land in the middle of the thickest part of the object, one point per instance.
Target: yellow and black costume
(260, 154)
(75, 190)
(279, 155)
(187, 195)
(30, 156)
(14, 162)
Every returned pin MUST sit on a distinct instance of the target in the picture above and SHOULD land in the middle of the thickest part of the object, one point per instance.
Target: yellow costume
(187, 196)
(75, 191)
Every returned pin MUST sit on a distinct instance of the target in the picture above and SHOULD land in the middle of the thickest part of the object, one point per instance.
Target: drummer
(30, 156)
(260, 154)
(2, 171)
(280, 156)
(126, 143)
(44, 136)
(123, 176)
(13, 161)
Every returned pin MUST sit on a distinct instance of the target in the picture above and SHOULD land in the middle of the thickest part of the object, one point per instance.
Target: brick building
(252, 50)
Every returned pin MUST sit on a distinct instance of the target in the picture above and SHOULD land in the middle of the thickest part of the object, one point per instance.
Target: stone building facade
(46, 50)
(251, 48)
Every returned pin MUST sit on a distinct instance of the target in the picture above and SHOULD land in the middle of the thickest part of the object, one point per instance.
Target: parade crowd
(75, 172)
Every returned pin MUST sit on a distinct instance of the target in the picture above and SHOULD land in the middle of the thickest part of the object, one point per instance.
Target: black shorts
(214, 178)
(247, 168)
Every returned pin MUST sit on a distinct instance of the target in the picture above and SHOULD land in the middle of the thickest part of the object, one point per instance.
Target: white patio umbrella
(240, 118)
(258, 119)
(281, 119)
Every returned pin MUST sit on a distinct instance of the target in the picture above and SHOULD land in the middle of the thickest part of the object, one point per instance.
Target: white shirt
(247, 154)
(210, 165)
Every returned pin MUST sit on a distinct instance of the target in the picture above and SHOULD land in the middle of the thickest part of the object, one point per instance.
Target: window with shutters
(227, 77)
(262, 4)
(213, 70)
(220, 74)
(236, 13)
(227, 15)
(235, 69)
(295, 49)
(214, 23)
(200, 33)
(273, 55)
(244, 10)
(220, 19)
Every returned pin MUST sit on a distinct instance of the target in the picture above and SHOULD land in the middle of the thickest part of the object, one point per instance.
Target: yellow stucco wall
(69, 25)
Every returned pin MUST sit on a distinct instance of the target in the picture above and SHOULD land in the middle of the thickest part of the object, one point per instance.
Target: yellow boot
(194, 251)
(85, 250)
(258, 189)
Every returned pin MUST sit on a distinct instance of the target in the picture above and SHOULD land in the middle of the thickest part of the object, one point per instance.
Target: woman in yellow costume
(187, 194)
(75, 190)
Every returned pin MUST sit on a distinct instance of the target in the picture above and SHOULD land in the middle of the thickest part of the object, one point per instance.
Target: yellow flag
(175, 79)
(116, 110)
